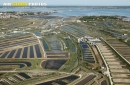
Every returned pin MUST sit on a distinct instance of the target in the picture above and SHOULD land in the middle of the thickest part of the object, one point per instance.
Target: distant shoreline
(68, 11)
(50, 16)
(89, 7)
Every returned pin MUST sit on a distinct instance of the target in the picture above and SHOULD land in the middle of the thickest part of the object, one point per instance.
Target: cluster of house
(89, 39)
(8, 15)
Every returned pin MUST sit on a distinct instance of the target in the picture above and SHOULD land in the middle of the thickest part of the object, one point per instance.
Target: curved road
(108, 69)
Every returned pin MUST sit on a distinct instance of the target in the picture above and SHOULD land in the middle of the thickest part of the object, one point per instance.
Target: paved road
(40, 71)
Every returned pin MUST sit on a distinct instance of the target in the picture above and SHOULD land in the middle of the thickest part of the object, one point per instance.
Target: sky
(77, 2)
